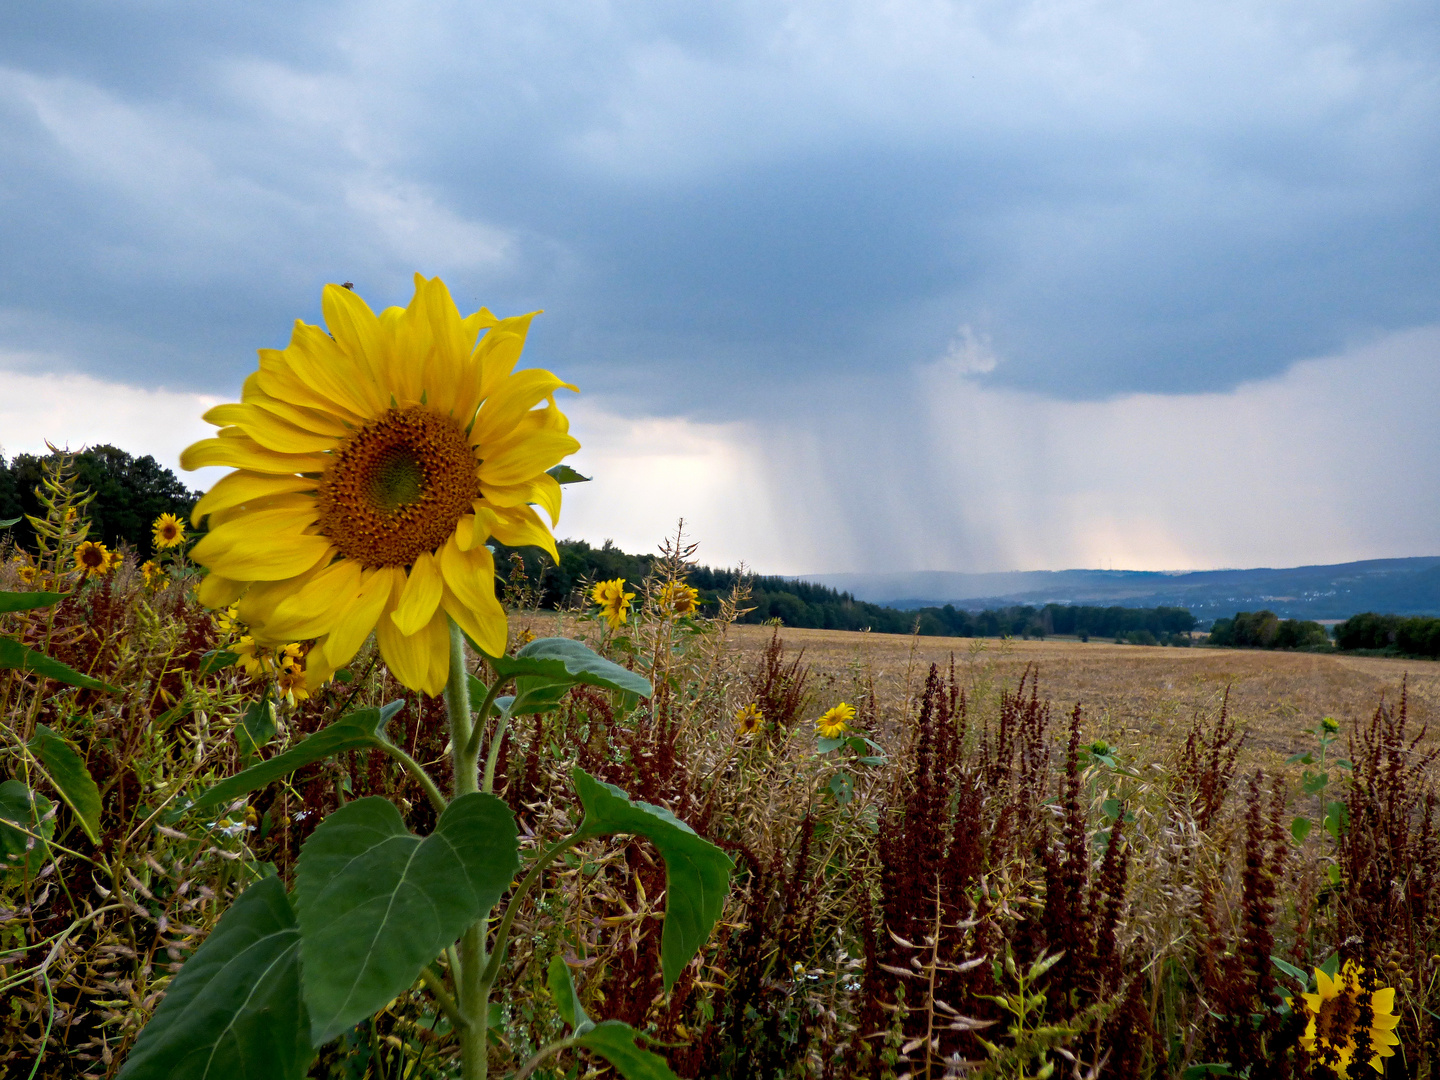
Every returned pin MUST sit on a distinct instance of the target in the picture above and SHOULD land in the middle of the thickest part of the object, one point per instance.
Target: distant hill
(1400, 586)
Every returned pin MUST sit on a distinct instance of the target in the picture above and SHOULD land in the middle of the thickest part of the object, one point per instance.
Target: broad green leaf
(1331, 966)
(842, 788)
(31, 811)
(377, 903)
(1286, 968)
(824, 745)
(27, 601)
(9, 522)
(563, 661)
(256, 727)
(1300, 828)
(235, 1011)
(17, 657)
(72, 779)
(697, 873)
(1337, 818)
(563, 474)
(562, 989)
(216, 660)
(354, 731)
(615, 1042)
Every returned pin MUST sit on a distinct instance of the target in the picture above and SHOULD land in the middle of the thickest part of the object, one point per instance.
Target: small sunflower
(836, 721)
(168, 532)
(227, 621)
(256, 659)
(1333, 1011)
(679, 599)
(290, 686)
(748, 719)
(613, 601)
(151, 572)
(374, 459)
(93, 557)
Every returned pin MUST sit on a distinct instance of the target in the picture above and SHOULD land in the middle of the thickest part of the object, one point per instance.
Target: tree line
(1413, 635)
(1266, 630)
(130, 493)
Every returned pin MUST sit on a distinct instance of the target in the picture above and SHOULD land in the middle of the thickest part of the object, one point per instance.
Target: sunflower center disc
(397, 487)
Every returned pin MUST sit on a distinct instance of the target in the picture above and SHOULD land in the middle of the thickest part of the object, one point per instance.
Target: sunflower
(678, 598)
(373, 462)
(836, 721)
(748, 719)
(613, 600)
(290, 686)
(151, 572)
(168, 532)
(1331, 1015)
(93, 557)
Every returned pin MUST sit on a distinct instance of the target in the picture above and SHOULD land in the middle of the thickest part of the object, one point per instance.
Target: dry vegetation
(990, 886)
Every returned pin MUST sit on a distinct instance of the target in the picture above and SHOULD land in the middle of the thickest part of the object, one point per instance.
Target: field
(1142, 697)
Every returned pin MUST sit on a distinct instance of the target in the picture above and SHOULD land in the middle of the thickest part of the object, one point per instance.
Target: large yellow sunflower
(1333, 1012)
(372, 463)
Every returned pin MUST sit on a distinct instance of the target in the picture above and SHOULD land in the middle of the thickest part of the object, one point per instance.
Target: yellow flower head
(1332, 1014)
(613, 600)
(748, 719)
(254, 658)
(27, 575)
(290, 686)
(679, 599)
(93, 557)
(151, 571)
(168, 532)
(227, 621)
(835, 722)
(372, 463)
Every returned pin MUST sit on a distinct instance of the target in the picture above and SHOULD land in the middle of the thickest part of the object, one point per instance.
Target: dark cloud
(721, 204)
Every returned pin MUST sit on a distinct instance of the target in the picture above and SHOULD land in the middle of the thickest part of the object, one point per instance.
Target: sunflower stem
(474, 996)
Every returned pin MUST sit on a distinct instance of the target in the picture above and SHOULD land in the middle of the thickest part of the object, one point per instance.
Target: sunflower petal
(420, 597)
(218, 592)
(269, 430)
(470, 580)
(488, 629)
(357, 332)
(411, 657)
(325, 367)
(527, 459)
(239, 488)
(355, 624)
(313, 610)
(511, 400)
(263, 546)
(239, 451)
(520, 526)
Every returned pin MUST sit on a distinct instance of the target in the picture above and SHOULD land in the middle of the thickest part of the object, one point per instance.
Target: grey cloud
(721, 204)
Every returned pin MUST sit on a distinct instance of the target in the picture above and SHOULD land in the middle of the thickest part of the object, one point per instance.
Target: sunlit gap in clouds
(1337, 459)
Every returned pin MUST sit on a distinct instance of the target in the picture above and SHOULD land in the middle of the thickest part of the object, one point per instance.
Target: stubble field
(1142, 698)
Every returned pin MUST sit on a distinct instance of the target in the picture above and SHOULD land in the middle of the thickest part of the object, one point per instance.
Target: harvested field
(1140, 696)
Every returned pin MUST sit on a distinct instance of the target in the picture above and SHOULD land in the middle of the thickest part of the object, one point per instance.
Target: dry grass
(1134, 694)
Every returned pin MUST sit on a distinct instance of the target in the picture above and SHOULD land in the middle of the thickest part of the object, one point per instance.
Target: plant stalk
(474, 1004)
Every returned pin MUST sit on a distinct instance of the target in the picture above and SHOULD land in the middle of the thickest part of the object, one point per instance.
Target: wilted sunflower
(1333, 1012)
(93, 557)
(836, 721)
(167, 531)
(679, 599)
(613, 601)
(373, 462)
(748, 719)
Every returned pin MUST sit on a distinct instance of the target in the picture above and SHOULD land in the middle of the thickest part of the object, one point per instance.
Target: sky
(847, 286)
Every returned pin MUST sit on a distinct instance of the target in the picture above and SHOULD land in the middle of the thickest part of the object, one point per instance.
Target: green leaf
(256, 727)
(376, 903)
(1307, 758)
(842, 788)
(217, 659)
(824, 745)
(1314, 783)
(353, 731)
(1331, 966)
(1286, 968)
(562, 989)
(563, 661)
(29, 810)
(1337, 818)
(71, 778)
(235, 1011)
(1199, 1072)
(17, 657)
(1300, 828)
(27, 601)
(10, 521)
(697, 873)
(615, 1042)
(563, 474)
